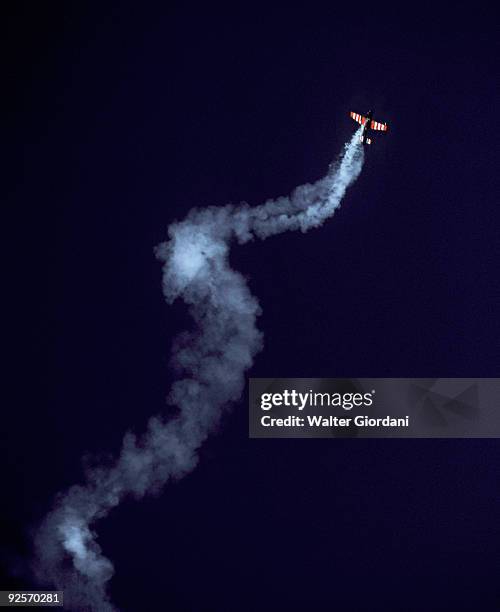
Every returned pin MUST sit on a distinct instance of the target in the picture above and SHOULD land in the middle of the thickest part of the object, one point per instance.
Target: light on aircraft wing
(359, 118)
(376, 125)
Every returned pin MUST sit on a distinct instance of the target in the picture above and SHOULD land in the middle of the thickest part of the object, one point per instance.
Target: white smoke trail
(213, 357)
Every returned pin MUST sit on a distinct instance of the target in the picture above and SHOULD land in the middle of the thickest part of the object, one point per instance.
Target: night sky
(118, 119)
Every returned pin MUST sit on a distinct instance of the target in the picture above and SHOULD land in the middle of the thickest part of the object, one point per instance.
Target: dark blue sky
(119, 120)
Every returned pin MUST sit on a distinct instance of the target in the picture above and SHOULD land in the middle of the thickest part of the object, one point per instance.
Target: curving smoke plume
(213, 358)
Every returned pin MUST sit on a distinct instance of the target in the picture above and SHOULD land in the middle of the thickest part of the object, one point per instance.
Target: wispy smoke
(213, 359)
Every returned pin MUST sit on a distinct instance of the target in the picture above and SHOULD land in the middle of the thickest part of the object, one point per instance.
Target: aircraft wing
(376, 125)
(359, 118)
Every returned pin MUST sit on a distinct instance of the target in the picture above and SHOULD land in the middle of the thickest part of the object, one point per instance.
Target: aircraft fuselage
(366, 127)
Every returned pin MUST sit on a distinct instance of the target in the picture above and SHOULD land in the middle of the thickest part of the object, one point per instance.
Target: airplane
(368, 123)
